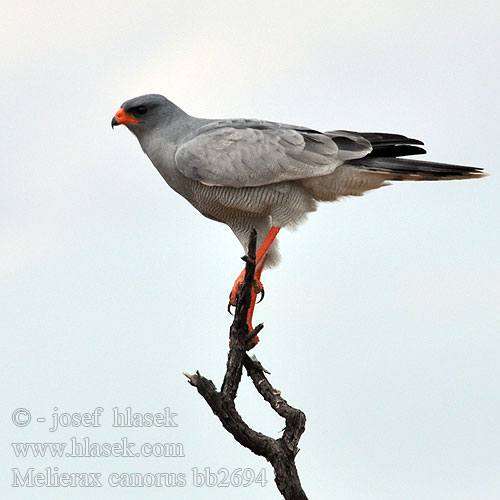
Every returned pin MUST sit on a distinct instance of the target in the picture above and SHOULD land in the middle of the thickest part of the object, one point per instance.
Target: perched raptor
(266, 175)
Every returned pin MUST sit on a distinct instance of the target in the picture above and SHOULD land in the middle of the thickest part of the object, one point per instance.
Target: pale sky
(382, 322)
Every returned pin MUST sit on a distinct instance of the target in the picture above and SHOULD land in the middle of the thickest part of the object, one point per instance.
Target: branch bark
(280, 453)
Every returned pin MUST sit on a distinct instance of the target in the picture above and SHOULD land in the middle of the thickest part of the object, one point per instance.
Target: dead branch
(279, 452)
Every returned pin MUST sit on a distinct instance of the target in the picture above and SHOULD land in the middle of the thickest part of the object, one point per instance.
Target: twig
(279, 452)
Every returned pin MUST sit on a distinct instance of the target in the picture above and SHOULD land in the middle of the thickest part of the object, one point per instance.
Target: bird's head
(143, 113)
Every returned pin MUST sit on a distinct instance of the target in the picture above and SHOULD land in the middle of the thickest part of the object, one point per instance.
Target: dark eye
(140, 110)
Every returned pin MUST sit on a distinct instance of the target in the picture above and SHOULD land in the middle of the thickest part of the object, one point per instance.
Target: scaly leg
(253, 301)
(257, 287)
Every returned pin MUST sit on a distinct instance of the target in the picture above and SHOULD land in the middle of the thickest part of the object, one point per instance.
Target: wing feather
(241, 153)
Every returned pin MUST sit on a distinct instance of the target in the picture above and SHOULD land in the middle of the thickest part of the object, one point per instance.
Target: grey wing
(243, 153)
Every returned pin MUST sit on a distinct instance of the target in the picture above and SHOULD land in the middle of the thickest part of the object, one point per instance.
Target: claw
(257, 286)
(262, 293)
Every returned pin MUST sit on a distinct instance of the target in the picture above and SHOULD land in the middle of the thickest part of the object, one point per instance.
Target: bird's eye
(140, 110)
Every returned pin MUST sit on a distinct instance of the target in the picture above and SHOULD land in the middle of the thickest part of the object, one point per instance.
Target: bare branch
(279, 452)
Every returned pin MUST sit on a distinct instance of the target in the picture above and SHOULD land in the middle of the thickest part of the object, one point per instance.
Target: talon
(258, 287)
(229, 306)
(262, 293)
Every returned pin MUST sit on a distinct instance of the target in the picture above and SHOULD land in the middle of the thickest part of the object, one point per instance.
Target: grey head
(145, 113)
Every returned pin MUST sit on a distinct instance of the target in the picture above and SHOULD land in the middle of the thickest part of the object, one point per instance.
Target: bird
(263, 175)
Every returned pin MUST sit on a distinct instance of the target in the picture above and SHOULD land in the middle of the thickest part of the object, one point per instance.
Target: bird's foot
(257, 288)
(252, 343)
(253, 338)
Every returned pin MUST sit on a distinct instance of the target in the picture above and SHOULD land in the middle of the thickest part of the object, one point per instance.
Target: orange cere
(123, 117)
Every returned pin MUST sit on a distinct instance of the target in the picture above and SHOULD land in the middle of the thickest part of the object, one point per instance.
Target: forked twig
(279, 452)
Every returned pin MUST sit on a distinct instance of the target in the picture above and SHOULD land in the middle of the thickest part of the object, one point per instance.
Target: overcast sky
(382, 322)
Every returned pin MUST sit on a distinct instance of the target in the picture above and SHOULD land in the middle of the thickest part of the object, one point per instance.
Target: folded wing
(242, 153)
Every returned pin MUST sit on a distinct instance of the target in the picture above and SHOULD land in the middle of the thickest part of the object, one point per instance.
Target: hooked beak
(122, 117)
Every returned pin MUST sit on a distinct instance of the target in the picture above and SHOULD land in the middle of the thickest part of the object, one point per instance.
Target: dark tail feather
(384, 144)
(384, 159)
(409, 169)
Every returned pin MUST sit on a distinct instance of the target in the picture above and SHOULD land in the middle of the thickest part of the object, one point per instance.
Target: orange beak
(121, 117)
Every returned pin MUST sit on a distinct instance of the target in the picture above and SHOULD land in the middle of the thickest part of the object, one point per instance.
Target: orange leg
(268, 241)
(261, 252)
(259, 262)
(253, 300)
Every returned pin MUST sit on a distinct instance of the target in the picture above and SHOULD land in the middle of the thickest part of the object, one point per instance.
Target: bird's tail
(402, 169)
(387, 161)
(385, 158)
